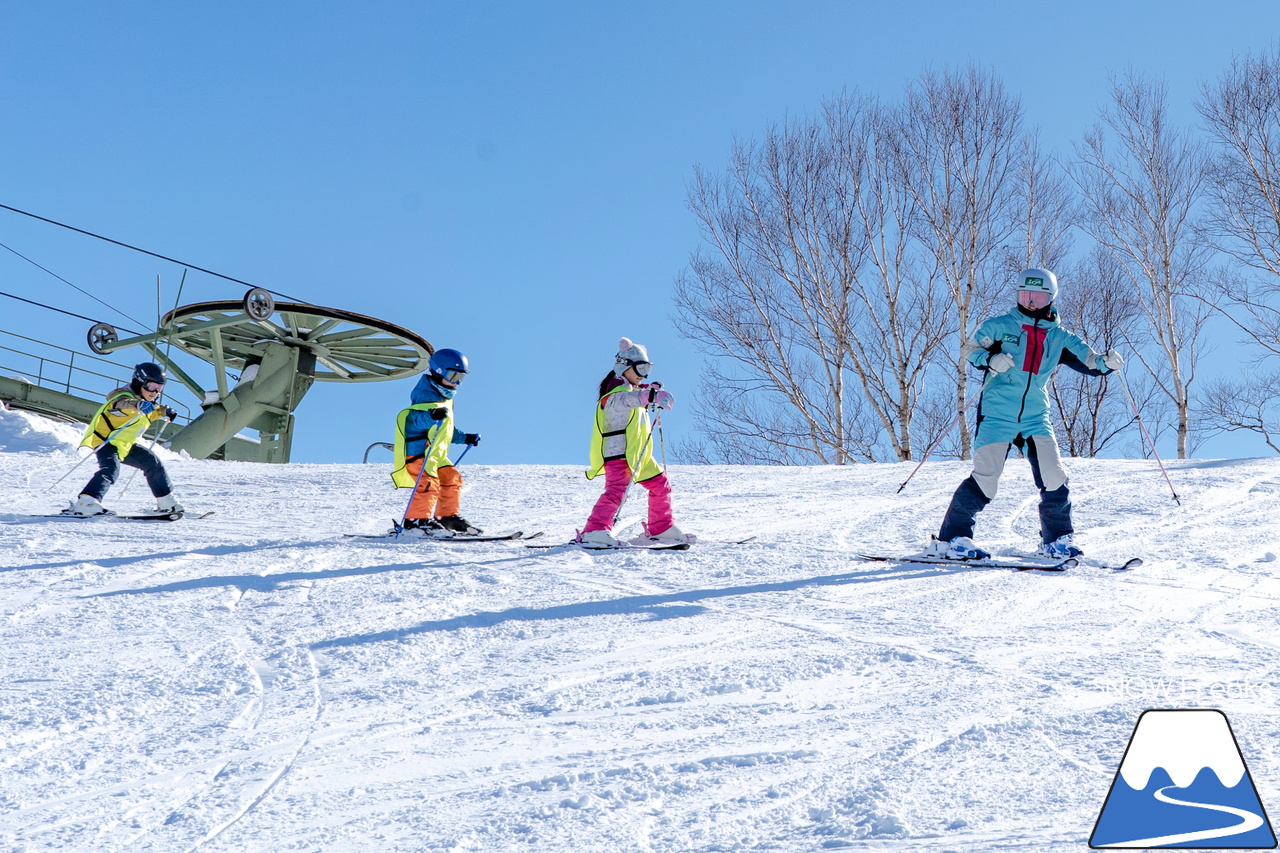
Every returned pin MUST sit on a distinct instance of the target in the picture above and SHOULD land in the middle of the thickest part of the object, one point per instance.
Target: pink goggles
(1033, 299)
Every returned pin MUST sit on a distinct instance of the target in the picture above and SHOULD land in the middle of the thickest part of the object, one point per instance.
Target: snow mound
(24, 432)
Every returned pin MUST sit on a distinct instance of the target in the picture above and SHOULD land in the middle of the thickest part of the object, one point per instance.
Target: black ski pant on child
(980, 488)
(109, 471)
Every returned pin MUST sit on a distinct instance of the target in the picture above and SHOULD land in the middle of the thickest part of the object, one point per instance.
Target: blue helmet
(147, 373)
(448, 367)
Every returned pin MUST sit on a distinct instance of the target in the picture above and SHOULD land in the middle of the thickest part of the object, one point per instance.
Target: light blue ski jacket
(1016, 402)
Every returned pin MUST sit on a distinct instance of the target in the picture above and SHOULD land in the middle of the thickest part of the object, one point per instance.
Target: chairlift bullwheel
(259, 304)
(100, 335)
(347, 347)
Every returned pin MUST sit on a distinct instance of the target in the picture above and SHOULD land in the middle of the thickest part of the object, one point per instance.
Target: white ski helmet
(1040, 281)
(631, 355)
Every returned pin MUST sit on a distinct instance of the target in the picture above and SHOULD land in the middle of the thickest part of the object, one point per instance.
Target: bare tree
(956, 145)
(819, 323)
(1248, 404)
(1242, 114)
(1139, 202)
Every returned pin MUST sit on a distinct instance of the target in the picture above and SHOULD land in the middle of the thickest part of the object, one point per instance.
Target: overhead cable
(146, 252)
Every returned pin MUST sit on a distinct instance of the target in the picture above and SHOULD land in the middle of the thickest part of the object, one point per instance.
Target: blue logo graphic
(1183, 783)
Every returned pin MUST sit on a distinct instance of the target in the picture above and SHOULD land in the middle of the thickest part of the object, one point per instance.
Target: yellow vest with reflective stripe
(124, 435)
(638, 432)
(438, 438)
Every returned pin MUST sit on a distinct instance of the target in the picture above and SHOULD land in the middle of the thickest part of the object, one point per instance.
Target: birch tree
(1241, 111)
(956, 145)
(1142, 181)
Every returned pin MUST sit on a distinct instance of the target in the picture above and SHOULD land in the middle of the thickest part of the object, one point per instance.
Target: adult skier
(1020, 352)
(115, 429)
(424, 432)
(622, 448)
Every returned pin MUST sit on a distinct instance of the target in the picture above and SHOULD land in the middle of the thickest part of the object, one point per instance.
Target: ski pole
(151, 447)
(1150, 442)
(945, 433)
(657, 421)
(92, 453)
(425, 456)
(72, 471)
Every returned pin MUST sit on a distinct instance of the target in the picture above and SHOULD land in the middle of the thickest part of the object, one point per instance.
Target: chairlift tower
(277, 349)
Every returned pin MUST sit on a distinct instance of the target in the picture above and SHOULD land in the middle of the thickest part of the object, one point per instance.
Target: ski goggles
(641, 368)
(153, 388)
(452, 378)
(1033, 299)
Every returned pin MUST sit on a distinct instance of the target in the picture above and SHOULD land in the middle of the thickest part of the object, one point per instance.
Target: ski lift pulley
(100, 336)
(259, 304)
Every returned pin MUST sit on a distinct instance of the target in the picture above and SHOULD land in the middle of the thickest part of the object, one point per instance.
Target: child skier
(424, 432)
(1020, 352)
(622, 448)
(115, 429)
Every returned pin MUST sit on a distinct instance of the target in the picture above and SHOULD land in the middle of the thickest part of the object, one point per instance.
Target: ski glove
(171, 414)
(145, 406)
(439, 414)
(471, 438)
(1113, 360)
(1000, 362)
(661, 399)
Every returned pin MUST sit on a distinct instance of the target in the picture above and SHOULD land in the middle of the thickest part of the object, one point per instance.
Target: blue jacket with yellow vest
(417, 432)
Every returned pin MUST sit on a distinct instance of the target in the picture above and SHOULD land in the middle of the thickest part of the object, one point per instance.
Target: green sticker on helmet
(1033, 282)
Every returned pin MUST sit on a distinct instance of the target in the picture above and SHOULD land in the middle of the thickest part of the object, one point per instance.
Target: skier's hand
(471, 438)
(1000, 362)
(439, 414)
(1113, 360)
(661, 399)
(171, 413)
(146, 406)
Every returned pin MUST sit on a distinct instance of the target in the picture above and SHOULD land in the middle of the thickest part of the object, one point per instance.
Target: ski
(989, 563)
(112, 516)
(621, 546)
(461, 537)
(1131, 563)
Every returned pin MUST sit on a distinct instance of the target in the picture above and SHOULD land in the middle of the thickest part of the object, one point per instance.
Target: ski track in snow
(255, 681)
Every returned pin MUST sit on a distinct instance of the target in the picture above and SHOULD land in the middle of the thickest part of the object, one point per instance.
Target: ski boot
(458, 524)
(671, 536)
(1061, 548)
(86, 506)
(423, 528)
(597, 539)
(960, 548)
(168, 504)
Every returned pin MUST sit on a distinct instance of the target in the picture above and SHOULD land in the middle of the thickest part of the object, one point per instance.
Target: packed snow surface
(255, 680)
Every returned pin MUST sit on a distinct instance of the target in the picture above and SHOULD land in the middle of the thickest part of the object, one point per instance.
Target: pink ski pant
(616, 475)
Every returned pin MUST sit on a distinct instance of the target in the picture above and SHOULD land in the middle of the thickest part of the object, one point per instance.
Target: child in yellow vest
(621, 446)
(115, 429)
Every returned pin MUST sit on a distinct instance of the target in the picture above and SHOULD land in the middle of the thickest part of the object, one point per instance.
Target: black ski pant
(109, 471)
(970, 498)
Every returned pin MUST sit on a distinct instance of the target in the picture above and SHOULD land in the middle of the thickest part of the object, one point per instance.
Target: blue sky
(504, 178)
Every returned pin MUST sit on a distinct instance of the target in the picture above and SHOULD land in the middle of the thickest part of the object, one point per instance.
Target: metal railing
(59, 370)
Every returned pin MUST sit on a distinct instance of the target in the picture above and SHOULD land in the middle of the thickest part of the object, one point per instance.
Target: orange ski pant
(442, 493)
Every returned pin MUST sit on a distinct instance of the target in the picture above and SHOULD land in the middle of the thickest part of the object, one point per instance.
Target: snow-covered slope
(256, 681)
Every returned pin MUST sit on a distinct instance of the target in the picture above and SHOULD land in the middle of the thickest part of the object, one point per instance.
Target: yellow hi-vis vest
(122, 431)
(637, 432)
(438, 438)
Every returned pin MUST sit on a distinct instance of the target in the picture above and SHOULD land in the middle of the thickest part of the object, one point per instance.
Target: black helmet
(148, 372)
(448, 367)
